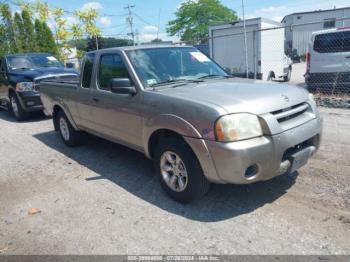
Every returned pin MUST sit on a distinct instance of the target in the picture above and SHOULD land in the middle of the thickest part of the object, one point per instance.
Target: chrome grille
(290, 112)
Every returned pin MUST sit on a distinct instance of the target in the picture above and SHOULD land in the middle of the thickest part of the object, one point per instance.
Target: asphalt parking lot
(102, 198)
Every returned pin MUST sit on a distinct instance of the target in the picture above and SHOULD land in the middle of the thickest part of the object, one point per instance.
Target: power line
(159, 12)
(130, 21)
(142, 19)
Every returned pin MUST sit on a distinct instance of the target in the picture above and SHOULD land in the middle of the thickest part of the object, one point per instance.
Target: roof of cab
(28, 54)
(139, 47)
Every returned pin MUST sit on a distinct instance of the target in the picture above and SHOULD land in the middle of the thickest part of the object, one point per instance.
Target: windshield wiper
(214, 76)
(172, 81)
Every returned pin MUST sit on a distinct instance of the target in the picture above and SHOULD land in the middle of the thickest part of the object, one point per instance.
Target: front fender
(169, 122)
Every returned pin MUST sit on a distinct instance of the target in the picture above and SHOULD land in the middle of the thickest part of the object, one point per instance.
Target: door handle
(348, 57)
(96, 100)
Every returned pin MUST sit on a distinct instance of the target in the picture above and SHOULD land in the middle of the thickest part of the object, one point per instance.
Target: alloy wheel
(173, 171)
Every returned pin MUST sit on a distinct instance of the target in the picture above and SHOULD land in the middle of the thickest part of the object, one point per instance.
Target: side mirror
(122, 86)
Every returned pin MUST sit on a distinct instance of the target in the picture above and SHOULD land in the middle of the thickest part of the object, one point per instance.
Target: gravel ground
(102, 198)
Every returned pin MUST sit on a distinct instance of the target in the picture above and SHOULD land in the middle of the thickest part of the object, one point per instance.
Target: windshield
(167, 65)
(32, 61)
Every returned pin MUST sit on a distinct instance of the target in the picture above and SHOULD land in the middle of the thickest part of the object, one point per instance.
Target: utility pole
(160, 10)
(130, 21)
(245, 41)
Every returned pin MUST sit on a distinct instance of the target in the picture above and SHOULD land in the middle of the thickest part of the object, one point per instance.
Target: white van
(328, 59)
(265, 46)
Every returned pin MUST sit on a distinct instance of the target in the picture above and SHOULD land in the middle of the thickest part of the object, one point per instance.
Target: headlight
(237, 127)
(25, 86)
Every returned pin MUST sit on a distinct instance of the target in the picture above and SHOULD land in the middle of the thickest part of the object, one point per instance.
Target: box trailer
(265, 46)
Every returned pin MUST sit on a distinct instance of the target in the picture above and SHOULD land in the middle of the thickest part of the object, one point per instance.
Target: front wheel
(69, 136)
(179, 171)
(270, 76)
(17, 109)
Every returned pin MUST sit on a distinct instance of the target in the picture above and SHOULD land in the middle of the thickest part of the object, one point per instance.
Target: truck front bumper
(30, 101)
(260, 158)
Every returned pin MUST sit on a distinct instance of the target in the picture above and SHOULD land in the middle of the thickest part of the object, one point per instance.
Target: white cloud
(150, 29)
(272, 9)
(273, 12)
(92, 5)
(105, 21)
(149, 33)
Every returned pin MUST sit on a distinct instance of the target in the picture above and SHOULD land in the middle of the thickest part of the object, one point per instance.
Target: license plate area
(301, 157)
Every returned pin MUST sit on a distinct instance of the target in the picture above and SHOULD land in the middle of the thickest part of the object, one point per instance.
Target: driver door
(116, 116)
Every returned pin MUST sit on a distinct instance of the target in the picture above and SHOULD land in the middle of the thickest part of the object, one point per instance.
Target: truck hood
(241, 95)
(39, 73)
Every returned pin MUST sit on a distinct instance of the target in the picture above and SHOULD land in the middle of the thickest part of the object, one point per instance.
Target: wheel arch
(55, 110)
(166, 125)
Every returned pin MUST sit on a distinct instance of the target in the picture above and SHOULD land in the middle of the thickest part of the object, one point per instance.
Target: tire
(69, 135)
(16, 108)
(191, 186)
(288, 76)
(270, 76)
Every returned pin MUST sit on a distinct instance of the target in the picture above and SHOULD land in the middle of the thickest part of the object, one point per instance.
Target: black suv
(20, 76)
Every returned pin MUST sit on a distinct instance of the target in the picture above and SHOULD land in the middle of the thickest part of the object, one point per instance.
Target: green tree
(88, 20)
(108, 42)
(27, 6)
(156, 40)
(61, 32)
(40, 36)
(9, 40)
(94, 43)
(44, 38)
(42, 10)
(50, 40)
(19, 33)
(193, 18)
(77, 34)
(3, 43)
(29, 33)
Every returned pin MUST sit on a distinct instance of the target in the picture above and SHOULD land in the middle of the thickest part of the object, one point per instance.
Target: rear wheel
(69, 135)
(179, 170)
(16, 108)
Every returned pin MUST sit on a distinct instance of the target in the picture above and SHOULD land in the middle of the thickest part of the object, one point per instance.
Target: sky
(151, 16)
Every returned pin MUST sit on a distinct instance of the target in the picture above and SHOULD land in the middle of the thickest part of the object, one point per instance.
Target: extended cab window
(87, 71)
(111, 66)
